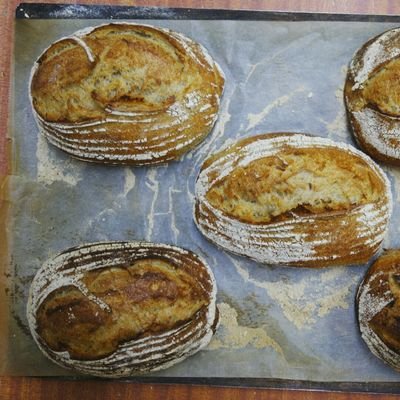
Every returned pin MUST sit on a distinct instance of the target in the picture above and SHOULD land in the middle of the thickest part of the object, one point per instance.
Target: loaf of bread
(372, 96)
(293, 199)
(378, 308)
(126, 94)
(122, 308)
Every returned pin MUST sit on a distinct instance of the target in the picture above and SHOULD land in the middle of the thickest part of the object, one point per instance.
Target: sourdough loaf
(126, 94)
(122, 308)
(378, 308)
(293, 199)
(372, 96)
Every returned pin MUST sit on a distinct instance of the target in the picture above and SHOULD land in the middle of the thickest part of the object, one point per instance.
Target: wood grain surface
(46, 388)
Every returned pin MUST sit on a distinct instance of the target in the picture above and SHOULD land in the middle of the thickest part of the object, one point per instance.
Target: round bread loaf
(126, 94)
(293, 199)
(372, 96)
(122, 308)
(378, 308)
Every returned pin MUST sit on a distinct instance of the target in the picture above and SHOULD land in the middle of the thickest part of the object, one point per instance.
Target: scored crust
(122, 308)
(126, 93)
(378, 308)
(372, 96)
(293, 199)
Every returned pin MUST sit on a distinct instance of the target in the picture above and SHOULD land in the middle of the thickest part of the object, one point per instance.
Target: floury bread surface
(295, 200)
(372, 96)
(378, 308)
(126, 93)
(122, 308)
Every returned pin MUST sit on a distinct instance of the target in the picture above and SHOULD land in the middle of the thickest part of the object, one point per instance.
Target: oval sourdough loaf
(126, 93)
(378, 308)
(372, 96)
(122, 308)
(293, 199)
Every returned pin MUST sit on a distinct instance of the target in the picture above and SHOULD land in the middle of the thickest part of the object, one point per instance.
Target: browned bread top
(372, 95)
(306, 180)
(378, 304)
(293, 199)
(121, 308)
(126, 93)
(148, 297)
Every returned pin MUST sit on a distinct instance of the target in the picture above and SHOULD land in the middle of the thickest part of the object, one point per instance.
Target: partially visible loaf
(293, 199)
(122, 308)
(126, 93)
(378, 308)
(372, 96)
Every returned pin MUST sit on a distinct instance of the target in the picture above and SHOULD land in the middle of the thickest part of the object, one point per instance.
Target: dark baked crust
(121, 308)
(372, 96)
(145, 298)
(378, 308)
(126, 93)
(255, 199)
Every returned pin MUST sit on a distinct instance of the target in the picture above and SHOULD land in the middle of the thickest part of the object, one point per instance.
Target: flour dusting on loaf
(372, 96)
(122, 308)
(126, 93)
(293, 199)
(378, 308)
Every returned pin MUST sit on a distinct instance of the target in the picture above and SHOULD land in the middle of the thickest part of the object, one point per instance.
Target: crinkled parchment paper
(276, 322)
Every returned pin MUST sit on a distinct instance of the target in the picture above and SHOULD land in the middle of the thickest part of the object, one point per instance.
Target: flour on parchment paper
(338, 126)
(231, 335)
(303, 302)
(255, 119)
(130, 181)
(48, 170)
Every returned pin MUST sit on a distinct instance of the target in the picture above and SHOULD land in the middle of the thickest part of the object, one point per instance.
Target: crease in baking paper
(256, 119)
(304, 302)
(153, 184)
(232, 335)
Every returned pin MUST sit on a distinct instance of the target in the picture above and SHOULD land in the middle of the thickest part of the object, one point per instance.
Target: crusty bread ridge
(122, 308)
(378, 308)
(126, 94)
(293, 199)
(372, 96)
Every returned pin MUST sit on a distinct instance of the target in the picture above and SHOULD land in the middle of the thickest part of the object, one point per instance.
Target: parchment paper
(276, 322)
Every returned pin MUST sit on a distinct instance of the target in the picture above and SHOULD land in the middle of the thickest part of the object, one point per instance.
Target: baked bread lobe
(378, 308)
(122, 308)
(372, 96)
(293, 199)
(126, 94)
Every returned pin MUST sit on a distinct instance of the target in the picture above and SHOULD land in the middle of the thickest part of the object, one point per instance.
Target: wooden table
(46, 388)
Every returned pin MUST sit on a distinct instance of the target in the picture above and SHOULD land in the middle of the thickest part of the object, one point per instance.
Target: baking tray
(285, 72)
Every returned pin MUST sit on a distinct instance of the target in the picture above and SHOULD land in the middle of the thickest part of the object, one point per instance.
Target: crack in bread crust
(148, 297)
(295, 180)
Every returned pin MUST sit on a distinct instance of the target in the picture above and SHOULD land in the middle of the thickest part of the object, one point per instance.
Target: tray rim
(85, 11)
(116, 12)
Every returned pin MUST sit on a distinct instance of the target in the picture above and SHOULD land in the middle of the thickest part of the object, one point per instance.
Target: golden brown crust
(126, 93)
(122, 308)
(372, 96)
(304, 181)
(148, 297)
(255, 199)
(378, 306)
